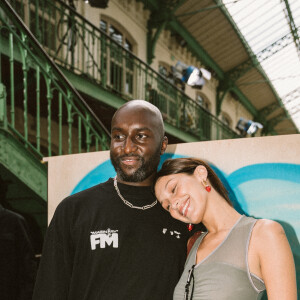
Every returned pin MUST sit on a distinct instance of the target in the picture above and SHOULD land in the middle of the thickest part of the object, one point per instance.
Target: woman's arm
(276, 261)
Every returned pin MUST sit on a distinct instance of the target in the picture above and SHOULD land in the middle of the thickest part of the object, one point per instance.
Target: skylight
(267, 27)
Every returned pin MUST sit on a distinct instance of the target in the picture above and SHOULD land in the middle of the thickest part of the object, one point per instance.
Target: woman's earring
(190, 227)
(207, 187)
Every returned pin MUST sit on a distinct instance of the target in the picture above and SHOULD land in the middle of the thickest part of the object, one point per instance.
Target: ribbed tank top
(224, 274)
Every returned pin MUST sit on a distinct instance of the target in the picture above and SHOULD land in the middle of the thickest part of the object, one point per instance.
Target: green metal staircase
(90, 57)
(41, 114)
(47, 49)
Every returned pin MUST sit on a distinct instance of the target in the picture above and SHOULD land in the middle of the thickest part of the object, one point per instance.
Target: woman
(238, 257)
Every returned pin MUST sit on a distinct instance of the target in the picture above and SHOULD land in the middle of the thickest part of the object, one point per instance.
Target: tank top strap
(234, 249)
(191, 259)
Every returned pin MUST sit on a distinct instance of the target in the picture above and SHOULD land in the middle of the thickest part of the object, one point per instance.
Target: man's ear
(164, 145)
(201, 172)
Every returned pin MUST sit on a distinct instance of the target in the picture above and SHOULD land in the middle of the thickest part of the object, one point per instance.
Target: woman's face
(183, 196)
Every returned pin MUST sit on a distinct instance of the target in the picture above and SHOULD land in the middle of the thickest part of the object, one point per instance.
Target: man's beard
(143, 172)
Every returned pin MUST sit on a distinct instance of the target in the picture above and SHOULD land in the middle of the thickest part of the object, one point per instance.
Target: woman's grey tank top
(224, 274)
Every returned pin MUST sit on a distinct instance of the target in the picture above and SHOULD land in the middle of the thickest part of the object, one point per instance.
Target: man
(113, 241)
(17, 262)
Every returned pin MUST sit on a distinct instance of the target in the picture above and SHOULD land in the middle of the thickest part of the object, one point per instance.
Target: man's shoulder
(81, 202)
(88, 194)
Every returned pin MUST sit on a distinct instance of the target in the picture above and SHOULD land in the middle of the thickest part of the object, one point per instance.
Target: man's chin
(131, 176)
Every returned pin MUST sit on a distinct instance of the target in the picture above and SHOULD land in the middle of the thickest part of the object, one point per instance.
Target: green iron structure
(41, 114)
(84, 51)
(47, 49)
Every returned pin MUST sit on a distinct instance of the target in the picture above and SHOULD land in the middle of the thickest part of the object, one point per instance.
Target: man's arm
(55, 267)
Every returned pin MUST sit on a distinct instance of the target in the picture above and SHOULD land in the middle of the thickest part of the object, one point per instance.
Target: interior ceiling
(256, 44)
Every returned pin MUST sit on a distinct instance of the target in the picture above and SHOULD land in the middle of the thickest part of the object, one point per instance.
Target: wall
(132, 16)
(261, 174)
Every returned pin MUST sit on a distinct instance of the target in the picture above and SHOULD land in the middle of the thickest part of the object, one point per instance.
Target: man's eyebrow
(116, 128)
(144, 128)
(138, 128)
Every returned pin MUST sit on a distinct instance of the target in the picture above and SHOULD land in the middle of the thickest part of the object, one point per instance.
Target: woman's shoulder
(265, 228)
(267, 233)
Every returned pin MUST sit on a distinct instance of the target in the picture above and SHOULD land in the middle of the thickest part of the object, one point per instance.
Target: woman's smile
(184, 208)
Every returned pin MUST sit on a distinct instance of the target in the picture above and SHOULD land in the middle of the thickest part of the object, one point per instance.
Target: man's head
(137, 141)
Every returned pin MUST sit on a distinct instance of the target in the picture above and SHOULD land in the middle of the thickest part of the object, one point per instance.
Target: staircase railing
(41, 104)
(78, 45)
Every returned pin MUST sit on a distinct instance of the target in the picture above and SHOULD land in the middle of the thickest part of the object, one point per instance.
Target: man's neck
(147, 182)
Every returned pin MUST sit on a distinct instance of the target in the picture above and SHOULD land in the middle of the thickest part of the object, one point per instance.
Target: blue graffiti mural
(268, 190)
(106, 170)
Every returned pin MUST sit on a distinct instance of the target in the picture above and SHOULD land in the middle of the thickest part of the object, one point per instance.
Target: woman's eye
(174, 189)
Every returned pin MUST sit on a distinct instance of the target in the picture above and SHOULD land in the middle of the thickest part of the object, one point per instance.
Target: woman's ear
(201, 172)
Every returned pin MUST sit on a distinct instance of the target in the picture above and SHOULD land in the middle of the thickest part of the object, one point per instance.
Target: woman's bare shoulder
(268, 232)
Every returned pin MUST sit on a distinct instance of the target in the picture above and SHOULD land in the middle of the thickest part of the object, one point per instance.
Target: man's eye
(141, 136)
(118, 136)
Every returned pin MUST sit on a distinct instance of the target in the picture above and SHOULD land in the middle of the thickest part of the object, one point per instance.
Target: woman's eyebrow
(168, 183)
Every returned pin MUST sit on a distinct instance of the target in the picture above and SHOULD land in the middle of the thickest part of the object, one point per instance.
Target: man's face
(136, 145)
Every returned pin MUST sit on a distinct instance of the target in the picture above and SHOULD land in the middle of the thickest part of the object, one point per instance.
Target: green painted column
(3, 112)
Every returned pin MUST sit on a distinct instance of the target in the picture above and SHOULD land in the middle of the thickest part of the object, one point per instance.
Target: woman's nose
(174, 203)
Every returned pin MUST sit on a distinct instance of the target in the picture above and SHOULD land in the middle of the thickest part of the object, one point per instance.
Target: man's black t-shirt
(97, 247)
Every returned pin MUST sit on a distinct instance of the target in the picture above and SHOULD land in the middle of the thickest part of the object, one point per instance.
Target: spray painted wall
(261, 174)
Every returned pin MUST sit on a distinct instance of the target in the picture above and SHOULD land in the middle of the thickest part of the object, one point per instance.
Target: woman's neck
(219, 215)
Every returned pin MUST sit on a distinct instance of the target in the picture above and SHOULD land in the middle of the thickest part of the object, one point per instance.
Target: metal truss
(240, 70)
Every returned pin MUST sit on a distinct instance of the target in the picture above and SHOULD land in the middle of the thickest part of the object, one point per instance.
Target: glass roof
(272, 30)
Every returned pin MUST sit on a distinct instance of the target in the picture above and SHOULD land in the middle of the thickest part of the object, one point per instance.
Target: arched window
(119, 34)
(203, 101)
(120, 67)
(226, 119)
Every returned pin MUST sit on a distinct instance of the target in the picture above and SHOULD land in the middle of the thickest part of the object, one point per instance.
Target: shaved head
(137, 142)
(139, 106)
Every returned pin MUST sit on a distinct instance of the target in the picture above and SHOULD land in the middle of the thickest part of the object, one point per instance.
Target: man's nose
(129, 146)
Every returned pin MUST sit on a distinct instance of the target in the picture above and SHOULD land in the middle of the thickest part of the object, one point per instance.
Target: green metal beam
(160, 16)
(293, 27)
(196, 48)
(263, 54)
(150, 4)
(224, 10)
(240, 70)
(209, 62)
(152, 39)
(3, 108)
(180, 134)
(23, 164)
(95, 91)
(245, 101)
(274, 121)
(264, 112)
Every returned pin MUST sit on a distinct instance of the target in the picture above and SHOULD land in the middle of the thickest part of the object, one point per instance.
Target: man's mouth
(130, 160)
